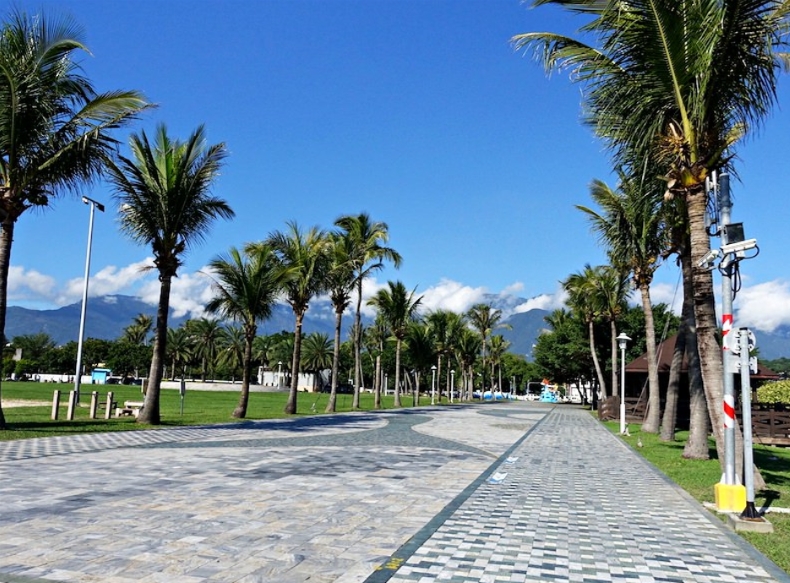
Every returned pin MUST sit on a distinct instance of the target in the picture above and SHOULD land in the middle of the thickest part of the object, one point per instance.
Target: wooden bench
(129, 408)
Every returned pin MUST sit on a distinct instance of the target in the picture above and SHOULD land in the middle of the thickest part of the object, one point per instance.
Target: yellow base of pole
(729, 497)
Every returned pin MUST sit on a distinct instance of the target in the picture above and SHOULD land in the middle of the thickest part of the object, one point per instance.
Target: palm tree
(468, 348)
(420, 351)
(581, 288)
(677, 85)
(137, 331)
(485, 319)
(368, 254)
(206, 336)
(317, 355)
(55, 130)
(631, 225)
(377, 335)
(246, 287)
(398, 307)
(163, 194)
(499, 347)
(611, 290)
(305, 256)
(179, 350)
(340, 283)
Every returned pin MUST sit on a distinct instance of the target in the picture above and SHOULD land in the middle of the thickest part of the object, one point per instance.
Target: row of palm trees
(671, 88)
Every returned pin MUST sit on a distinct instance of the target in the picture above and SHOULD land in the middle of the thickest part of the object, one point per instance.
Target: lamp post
(386, 385)
(279, 372)
(622, 341)
(433, 383)
(452, 384)
(78, 376)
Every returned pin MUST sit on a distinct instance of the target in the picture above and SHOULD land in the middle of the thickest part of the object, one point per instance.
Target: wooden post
(108, 409)
(72, 405)
(94, 404)
(55, 405)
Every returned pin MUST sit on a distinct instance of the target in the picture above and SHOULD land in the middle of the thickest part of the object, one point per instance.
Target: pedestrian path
(498, 492)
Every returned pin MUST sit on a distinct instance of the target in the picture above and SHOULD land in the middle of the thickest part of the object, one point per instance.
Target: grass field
(698, 478)
(209, 407)
(200, 408)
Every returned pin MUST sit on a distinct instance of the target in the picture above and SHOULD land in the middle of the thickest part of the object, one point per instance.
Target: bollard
(107, 410)
(94, 404)
(55, 405)
(72, 405)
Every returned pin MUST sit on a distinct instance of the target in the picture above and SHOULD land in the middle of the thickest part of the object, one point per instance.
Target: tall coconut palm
(163, 192)
(137, 332)
(305, 255)
(368, 254)
(398, 307)
(206, 336)
(55, 129)
(420, 351)
(467, 350)
(581, 290)
(340, 283)
(611, 291)
(246, 287)
(677, 84)
(485, 319)
(377, 335)
(317, 356)
(631, 226)
(179, 350)
(499, 347)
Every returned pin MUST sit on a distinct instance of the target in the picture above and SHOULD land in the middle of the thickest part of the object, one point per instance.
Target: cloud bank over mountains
(764, 306)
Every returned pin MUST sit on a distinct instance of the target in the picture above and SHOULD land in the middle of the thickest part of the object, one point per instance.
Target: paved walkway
(513, 492)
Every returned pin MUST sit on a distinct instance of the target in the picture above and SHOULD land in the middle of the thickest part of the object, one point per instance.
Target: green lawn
(698, 478)
(200, 408)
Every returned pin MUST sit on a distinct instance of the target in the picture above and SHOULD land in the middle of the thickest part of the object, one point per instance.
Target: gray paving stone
(366, 497)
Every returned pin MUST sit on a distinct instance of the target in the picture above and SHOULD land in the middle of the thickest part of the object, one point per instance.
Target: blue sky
(418, 112)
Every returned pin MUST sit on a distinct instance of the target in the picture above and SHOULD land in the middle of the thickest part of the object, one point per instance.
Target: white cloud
(548, 302)
(451, 295)
(513, 289)
(109, 280)
(764, 306)
(30, 285)
(189, 293)
(664, 293)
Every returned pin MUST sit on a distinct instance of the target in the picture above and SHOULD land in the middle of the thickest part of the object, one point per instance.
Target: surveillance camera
(739, 247)
(710, 257)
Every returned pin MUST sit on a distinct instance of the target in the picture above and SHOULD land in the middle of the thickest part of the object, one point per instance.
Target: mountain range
(107, 316)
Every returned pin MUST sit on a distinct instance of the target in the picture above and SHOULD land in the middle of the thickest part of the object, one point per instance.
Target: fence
(770, 423)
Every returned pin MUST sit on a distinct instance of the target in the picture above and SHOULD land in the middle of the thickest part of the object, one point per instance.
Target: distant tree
(207, 336)
(398, 307)
(317, 356)
(137, 332)
(420, 352)
(245, 287)
(179, 350)
(485, 319)
(305, 256)
(127, 359)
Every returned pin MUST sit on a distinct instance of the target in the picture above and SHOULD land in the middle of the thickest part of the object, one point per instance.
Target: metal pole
(452, 384)
(78, 376)
(622, 388)
(433, 384)
(725, 205)
(746, 421)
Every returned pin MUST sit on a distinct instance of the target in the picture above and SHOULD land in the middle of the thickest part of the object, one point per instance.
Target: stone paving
(505, 492)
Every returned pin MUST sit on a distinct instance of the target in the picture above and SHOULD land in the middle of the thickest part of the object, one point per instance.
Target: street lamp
(452, 384)
(78, 377)
(433, 383)
(622, 341)
(279, 372)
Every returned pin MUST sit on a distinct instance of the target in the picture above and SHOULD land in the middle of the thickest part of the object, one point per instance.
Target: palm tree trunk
(290, 405)
(150, 411)
(651, 424)
(241, 409)
(705, 317)
(670, 417)
(358, 338)
(377, 384)
(594, 354)
(332, 403)
(6, 238)
(397, 372)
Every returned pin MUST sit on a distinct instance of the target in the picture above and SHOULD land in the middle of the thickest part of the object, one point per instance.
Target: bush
(776, 392)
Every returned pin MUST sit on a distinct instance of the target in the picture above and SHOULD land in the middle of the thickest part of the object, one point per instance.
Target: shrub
(776, 392)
